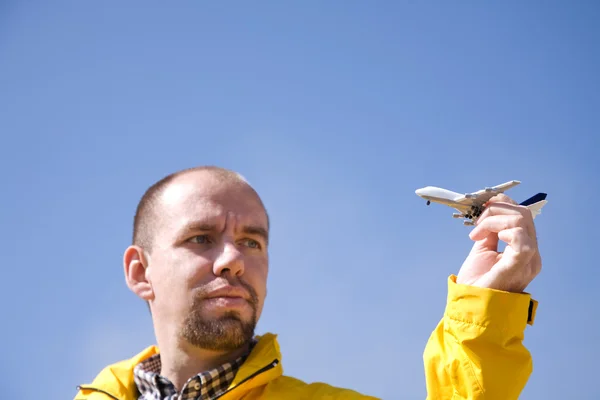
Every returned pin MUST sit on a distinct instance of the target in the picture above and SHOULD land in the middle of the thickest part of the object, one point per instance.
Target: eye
(200, 239)
(251, 243)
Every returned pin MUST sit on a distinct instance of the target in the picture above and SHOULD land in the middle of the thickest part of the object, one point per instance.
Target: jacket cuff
(506, 311)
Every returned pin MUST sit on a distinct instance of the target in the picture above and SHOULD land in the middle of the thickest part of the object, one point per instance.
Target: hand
(519, 264)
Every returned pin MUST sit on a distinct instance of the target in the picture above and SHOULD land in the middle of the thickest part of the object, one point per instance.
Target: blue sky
(336, 112)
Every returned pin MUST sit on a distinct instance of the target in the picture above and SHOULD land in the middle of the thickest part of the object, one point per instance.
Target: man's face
(208, 265)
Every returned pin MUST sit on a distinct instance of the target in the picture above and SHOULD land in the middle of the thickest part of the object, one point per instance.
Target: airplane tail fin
(535, 203)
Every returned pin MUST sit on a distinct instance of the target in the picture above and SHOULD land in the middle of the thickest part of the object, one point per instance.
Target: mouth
(226, 302)
(228, 297)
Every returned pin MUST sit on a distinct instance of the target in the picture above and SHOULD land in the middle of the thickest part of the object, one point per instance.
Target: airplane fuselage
(471, 205)
(439, 195)
(468, 209)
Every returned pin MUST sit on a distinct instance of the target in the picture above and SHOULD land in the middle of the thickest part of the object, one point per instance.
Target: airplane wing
(482, 196)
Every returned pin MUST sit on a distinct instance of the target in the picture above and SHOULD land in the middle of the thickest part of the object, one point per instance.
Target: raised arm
(476, 351)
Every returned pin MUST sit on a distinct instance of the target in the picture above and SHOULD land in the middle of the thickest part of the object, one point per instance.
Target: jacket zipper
(272, 365)
(97, 390)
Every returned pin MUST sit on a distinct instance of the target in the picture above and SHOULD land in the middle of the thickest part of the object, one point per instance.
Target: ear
(136, 267)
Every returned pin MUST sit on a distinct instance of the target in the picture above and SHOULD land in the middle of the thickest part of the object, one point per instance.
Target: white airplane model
(471, 205)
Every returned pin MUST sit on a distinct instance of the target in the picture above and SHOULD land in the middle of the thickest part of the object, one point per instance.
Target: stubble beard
(227, 332)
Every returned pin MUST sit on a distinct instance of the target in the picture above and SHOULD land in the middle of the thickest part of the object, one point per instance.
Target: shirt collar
(152, 385)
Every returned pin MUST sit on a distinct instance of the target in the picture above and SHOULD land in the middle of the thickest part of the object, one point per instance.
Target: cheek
(256, 273)
(176, 273)
(162, 278)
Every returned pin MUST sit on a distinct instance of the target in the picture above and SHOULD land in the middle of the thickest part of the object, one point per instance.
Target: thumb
(488, 243)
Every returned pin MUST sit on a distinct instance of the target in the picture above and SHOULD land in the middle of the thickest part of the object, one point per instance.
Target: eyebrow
(257, 231)
(200, 226)
(248, 230)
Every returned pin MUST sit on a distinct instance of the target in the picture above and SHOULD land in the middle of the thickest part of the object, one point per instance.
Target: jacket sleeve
(476, 351)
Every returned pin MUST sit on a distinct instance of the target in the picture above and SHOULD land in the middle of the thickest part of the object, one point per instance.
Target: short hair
(145, 219)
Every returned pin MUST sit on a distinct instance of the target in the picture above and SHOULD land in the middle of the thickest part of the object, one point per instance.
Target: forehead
(202, 196)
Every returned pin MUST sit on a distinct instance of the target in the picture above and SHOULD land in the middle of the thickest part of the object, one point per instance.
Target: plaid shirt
(205, 385)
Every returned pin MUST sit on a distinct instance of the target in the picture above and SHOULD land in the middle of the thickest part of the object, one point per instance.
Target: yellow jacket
(475, 352)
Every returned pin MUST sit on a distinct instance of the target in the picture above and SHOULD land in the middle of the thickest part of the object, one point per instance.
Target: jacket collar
(262, 365)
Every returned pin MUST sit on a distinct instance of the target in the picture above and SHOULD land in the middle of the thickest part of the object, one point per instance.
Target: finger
(510, 209)
(501, 198)
(485, 243)
(503, 209)
(496, 224)
(522, 247)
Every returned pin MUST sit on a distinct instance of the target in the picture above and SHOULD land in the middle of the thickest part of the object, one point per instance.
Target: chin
(226, 332)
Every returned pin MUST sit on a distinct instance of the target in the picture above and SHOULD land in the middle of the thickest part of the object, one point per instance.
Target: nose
(420, 192)
(230, 259)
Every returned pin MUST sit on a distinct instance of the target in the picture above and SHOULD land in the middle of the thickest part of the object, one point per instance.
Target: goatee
(225, 333)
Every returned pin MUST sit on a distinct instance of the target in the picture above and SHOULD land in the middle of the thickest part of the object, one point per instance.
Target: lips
(228, 292)
(228, 297)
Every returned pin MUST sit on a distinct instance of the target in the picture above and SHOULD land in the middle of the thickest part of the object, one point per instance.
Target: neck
(181, 361)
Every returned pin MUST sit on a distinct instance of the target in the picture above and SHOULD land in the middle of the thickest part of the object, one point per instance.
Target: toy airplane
(471, 205)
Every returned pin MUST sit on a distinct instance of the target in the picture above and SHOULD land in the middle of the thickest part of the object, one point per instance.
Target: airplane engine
(457, 215)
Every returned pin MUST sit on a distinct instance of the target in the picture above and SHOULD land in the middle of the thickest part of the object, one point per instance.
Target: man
(199, 259)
